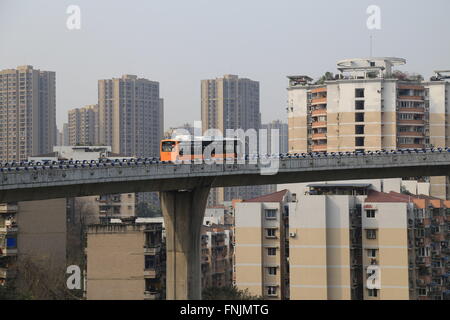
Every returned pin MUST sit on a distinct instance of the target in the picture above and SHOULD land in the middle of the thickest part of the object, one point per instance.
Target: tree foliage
(37, 279)
(227, 293)
(326, 77)
(146, 210)
(405, 76)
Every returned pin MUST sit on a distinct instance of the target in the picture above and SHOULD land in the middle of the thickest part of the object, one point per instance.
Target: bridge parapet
(44, 182)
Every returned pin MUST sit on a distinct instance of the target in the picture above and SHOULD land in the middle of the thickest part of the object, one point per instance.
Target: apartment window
(271, 214)
(420, 233)
(422, 292)
(359, 93)
(271, 291)
(372, 293)
(372, 253)
(11, 242)
(150, 262)
(371, 234)
(151, 285)
(271, 251)
(271, 232)
(359, 129)
(370, 213)
(359, 104)
(423, 252)
(359, 117)
(359, 142)
(272, 271)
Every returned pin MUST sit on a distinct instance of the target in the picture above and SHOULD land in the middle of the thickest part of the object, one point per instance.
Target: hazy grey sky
(180, 42)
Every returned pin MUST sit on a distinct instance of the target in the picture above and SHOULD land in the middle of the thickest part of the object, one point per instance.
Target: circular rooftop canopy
(370, 62)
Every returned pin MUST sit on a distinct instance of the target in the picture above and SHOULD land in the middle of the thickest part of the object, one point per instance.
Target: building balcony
(318, 90)
(410, 87)
(3, 273)
(319, 124)
(411, 110)
(411, 146)
(411, 122)
(423, 261)
(152, 250)
(151, 273)
(319, 148)
(413, 134)
(411, 98)
(319, 112)
(8, 208)
(205, 259)
(152, 295)
(319, 101)
(319, 136)
(8, 252)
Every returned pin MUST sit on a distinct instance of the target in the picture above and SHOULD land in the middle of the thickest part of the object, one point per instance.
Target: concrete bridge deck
(47, 182)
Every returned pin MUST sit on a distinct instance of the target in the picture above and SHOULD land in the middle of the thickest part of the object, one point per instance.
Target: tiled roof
(420, 201)
(273, 197)
(375, 196)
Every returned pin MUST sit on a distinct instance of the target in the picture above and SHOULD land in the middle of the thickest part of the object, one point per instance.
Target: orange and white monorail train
(185, 149)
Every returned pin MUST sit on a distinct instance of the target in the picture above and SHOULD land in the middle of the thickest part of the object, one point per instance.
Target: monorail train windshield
(167, 146)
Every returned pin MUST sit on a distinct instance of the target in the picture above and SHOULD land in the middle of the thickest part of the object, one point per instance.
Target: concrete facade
(260, 249)
(183, 213)
(321, 261)
(28, 113)
(216, 256)
(33, 231)
(125, 262)
(131, 114)
(83, 126)
(367, 108)
(338, 230)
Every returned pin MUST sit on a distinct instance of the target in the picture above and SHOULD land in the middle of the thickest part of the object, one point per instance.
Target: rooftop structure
(366, 68)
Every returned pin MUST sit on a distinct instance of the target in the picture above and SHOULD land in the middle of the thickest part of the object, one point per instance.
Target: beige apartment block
(33, 232)
(83, 126)
(260, 249)
(367, 108)
(125, 262)
(324, 245)
(385, 244)
(340, 232)
(27, 113)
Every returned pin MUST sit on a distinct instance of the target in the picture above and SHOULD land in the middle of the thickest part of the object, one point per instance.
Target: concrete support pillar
(183, 213)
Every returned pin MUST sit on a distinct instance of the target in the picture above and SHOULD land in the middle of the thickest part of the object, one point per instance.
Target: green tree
(405, 76)
(227, 293)
(146, 210)
(326, 77)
